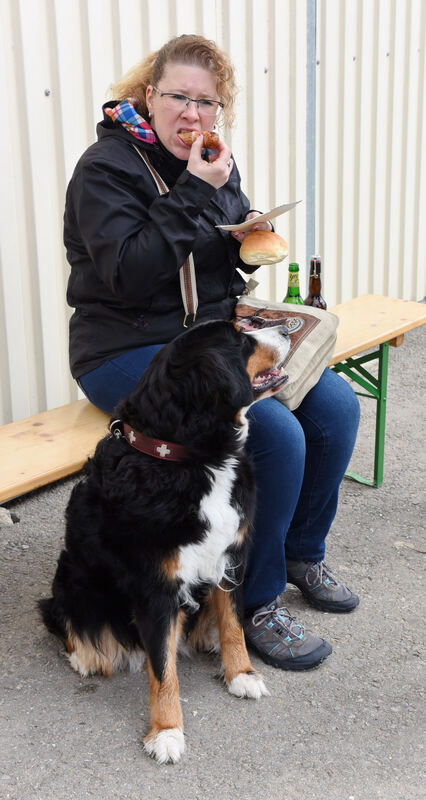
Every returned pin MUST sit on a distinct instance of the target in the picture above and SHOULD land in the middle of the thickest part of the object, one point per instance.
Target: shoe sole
(329, 605)
(295, 665)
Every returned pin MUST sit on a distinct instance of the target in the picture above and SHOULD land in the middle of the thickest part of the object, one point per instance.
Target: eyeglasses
(178, 102)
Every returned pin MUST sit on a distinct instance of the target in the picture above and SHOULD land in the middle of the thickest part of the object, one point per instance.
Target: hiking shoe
(280, 641)
(318, 584)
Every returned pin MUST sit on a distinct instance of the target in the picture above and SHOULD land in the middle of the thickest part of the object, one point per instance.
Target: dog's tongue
(266, 376)
(247, 326)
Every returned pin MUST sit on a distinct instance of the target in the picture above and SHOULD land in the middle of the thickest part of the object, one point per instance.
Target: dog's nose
(284, 331)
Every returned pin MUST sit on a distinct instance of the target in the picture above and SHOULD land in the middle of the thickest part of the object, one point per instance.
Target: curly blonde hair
(186, 49)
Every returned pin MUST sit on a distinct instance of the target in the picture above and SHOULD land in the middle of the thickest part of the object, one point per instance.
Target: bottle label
(293, 279)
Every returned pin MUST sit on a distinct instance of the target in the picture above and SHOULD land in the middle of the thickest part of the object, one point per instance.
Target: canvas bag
(312, 331)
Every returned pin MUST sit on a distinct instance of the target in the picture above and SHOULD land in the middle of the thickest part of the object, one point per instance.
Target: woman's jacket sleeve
(136, 241)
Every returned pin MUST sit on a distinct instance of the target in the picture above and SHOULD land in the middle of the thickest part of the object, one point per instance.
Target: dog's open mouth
(269, 380)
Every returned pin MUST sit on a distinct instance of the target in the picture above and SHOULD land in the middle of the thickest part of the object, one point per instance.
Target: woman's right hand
(259, 226)
(216, 170)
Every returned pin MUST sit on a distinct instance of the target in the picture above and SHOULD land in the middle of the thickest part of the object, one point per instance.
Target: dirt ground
(350, 730)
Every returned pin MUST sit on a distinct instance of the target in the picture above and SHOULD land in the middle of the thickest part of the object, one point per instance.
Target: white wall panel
(371, 163)
(57, 61)
(45, 152)
(22, 366)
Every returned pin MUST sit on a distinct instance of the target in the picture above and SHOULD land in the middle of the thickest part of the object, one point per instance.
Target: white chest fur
(207, 561)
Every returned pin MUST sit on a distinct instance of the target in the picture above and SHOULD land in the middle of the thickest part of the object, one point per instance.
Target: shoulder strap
(188, 283)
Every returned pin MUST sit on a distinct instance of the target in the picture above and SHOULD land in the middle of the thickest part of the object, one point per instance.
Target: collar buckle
(116, 428)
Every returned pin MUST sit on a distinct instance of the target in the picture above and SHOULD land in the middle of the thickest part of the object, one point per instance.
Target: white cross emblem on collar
(132, 436)
(163, 450)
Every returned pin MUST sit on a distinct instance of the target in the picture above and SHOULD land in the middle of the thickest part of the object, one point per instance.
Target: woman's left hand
(260, 226)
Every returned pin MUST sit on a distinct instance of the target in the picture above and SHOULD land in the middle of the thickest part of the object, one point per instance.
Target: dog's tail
(53, 621)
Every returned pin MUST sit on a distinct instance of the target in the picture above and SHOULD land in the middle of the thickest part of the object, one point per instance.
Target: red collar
(158, 448)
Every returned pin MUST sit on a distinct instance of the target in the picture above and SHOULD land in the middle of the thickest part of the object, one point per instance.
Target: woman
(126, 243)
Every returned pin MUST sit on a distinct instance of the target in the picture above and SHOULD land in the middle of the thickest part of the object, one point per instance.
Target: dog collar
(158, 448)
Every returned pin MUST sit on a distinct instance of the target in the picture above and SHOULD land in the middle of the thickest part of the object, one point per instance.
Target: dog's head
(238, 365)
(206, 379)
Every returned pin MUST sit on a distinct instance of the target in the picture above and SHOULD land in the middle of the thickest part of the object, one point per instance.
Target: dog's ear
(227, 379)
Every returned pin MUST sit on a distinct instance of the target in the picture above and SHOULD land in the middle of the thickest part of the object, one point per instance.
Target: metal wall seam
(419, 253)
(370, 85)
(416, 163)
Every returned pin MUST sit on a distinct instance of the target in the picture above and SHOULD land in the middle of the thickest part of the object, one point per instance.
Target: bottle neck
(315, 267)
(293, 283)
(314, 284)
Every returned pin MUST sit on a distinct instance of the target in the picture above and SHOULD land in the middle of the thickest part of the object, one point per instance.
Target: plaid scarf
(126, 114)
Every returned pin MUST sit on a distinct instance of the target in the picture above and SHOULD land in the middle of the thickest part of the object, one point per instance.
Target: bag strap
(188, 282)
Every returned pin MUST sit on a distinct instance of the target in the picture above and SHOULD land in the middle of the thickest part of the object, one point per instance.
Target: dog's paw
(165, 746)
(248, 684)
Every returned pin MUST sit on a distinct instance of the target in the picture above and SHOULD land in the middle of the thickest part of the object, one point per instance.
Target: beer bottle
(293, 291)
(314, 297)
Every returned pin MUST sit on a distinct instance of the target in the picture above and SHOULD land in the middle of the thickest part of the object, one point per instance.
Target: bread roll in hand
(263, 247)
(210, 138)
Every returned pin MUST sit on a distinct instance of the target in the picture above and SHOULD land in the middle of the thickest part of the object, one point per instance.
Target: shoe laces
(321, 574)
(284, 622)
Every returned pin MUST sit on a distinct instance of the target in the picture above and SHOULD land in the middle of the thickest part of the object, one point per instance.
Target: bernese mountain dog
(157, 529)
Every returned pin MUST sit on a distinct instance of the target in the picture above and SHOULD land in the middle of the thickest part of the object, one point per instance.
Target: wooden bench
(372, 322)
(51, 445)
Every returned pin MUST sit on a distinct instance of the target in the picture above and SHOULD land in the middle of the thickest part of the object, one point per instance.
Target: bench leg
(376, 389)
(379, 452)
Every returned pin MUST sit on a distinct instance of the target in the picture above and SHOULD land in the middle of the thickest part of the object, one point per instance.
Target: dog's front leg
(165, 740)
(240, 677)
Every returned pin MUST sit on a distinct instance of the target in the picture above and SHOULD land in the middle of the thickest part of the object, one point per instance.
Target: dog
(157, 529)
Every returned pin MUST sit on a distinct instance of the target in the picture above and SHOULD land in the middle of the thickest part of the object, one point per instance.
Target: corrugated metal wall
(57, 60)
(371, 125)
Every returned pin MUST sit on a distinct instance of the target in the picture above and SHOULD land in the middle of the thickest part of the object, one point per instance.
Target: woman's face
(191, 81)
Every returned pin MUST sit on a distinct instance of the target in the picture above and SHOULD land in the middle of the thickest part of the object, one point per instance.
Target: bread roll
(263, 247)
(210, 138)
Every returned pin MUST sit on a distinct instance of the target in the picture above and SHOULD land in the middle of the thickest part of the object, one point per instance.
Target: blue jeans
(106, 385)
(299, 458)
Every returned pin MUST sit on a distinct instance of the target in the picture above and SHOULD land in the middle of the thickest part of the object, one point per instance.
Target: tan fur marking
(170, 566)
(262, 359)
(180, 622)
(203, 636)
(164, 703)
(242, 534)
(105, 659)
(238, 419)
(235, 658)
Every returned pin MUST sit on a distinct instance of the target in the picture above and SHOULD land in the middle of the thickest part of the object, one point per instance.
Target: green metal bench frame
(375, 389)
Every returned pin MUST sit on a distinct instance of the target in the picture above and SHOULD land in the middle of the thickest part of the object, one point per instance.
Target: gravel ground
(350, 730)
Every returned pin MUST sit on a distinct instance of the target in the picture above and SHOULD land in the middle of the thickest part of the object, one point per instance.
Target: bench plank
(51, 445)
(48, 446)
(370, 320)
(373, 323)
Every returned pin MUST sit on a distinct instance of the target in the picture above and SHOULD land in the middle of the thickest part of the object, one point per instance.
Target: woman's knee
(345, 407)
(331, 406)
(275, 435)
(329, 416)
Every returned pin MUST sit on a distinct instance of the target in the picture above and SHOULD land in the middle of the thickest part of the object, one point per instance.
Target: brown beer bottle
(314, 297)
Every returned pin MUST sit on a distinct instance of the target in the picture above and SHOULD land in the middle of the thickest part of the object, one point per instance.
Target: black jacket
(126, 243)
